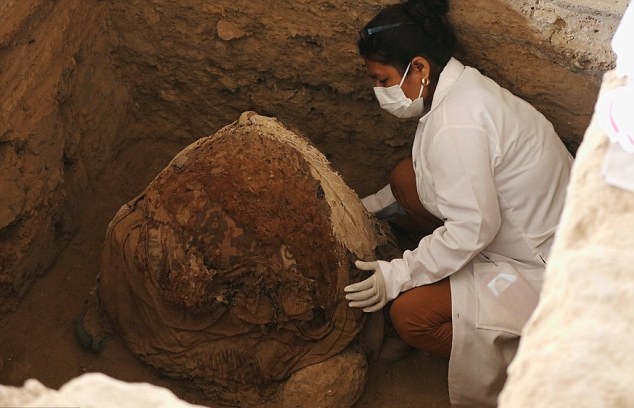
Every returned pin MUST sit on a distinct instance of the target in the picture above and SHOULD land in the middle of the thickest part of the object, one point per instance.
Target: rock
(577, 348)
(228, 31)
(333, 383)
(93, 390)
(92, 328)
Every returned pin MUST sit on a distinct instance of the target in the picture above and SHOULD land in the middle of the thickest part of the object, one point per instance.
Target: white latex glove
(370, 294)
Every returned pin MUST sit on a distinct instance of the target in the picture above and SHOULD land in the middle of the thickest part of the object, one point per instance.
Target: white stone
(578, 348)
(92, 390)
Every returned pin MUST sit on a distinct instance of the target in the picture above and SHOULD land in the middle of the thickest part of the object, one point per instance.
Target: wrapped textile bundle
(228, 270)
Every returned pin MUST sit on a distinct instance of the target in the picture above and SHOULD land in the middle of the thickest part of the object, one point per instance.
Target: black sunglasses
(367, 32)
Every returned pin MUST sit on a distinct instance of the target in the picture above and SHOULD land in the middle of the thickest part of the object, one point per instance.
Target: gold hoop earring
(425, 82)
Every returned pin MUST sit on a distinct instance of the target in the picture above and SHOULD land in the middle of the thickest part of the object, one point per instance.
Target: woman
(493, 170)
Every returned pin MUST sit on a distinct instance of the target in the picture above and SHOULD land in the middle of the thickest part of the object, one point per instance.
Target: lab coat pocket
(506, 299)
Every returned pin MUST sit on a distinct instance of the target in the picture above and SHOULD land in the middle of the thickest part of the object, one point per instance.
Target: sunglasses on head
(367, 32)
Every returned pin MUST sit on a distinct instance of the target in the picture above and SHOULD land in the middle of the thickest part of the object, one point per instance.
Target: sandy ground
(38, 338)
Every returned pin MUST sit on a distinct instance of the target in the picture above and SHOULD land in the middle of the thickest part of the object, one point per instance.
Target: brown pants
(422, 315)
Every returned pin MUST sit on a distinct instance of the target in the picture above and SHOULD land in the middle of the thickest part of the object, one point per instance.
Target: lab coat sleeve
(379, 200)
(462, 168)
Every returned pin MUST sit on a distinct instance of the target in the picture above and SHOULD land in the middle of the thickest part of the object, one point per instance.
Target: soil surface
(39, 340)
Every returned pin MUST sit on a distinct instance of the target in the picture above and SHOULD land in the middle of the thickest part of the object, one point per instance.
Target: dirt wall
(85, 81)
(60, 112)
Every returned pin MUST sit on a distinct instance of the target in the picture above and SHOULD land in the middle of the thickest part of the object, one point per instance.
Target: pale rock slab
(577, 349)
(92, 390)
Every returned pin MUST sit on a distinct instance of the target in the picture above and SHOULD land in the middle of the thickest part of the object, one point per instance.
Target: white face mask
(393, 100)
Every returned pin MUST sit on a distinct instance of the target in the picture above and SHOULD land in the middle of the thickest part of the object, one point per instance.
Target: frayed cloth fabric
(228, 270)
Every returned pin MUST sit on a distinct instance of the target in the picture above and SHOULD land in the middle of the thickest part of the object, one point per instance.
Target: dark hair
(400, 32)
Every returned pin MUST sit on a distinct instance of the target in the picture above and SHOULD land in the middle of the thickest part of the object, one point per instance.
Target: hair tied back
(422, 10)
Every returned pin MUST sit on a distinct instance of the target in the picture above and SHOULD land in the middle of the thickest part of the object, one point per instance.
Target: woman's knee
(422, 327)
(400, 315)
(422, 309)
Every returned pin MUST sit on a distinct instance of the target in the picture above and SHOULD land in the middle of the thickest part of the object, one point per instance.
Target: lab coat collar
(448, 77)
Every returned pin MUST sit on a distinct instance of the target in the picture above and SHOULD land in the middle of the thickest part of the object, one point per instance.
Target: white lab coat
(492, 167)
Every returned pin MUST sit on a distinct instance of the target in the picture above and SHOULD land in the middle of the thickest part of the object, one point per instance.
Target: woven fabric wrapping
(228, 270)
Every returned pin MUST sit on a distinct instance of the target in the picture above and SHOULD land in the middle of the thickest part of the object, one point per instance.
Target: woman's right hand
(370, 294)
